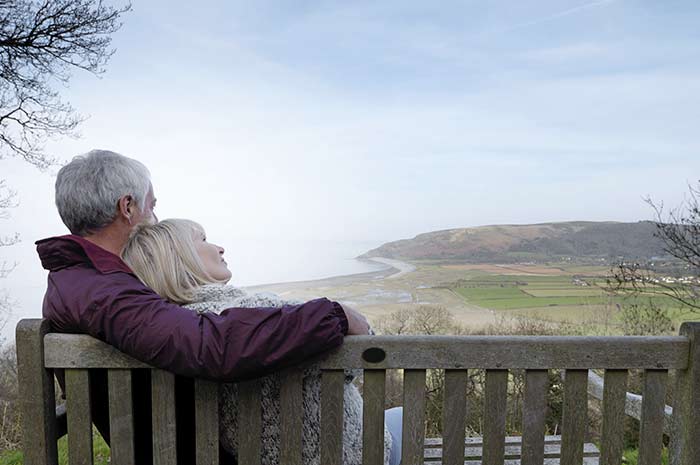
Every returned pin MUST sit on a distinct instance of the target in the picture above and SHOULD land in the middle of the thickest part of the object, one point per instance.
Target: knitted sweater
(217, 297)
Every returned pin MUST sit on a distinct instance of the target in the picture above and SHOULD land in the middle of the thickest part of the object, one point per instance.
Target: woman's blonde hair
(164, 257)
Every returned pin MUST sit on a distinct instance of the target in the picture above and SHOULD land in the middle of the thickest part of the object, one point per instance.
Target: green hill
(576, 240)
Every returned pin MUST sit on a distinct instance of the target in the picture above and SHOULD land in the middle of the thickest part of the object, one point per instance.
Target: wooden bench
(40, 352)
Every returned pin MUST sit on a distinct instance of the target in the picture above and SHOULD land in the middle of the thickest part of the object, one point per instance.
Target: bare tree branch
(679, 230)
(41, 43)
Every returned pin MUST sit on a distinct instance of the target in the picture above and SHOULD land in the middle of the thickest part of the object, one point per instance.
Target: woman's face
(212, 257)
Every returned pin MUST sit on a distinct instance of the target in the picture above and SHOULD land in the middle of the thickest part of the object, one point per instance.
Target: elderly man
(100, 197)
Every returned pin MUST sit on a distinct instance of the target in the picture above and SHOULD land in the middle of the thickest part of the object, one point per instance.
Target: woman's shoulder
(214, 297)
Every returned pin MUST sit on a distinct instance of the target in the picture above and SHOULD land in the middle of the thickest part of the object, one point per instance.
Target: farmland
(567, 295)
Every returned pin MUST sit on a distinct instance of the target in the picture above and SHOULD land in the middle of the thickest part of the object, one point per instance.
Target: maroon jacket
(91, 290)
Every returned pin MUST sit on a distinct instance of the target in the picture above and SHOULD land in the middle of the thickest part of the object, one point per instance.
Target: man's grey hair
(88, 189)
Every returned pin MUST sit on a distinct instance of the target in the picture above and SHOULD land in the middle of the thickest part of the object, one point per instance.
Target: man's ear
(125, 208)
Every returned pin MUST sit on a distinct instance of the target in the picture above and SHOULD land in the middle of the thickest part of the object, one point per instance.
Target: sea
(254, 262)
(251, 261)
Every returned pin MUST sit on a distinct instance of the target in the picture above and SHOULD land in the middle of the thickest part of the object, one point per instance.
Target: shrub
(10, 430)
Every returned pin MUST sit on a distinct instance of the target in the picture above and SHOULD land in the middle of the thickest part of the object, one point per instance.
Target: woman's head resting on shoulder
(173, 258)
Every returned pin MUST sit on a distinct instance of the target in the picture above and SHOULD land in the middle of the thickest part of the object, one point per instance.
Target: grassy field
(572, 294)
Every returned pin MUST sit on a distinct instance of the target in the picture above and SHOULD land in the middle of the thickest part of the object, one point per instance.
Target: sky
(333, 122)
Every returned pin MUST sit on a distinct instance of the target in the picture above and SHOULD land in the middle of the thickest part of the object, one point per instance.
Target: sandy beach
(335, 281)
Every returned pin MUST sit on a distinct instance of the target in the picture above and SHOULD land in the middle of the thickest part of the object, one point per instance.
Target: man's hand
(357, 323)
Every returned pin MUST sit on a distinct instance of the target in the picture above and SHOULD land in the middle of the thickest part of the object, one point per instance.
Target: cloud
(558, 15)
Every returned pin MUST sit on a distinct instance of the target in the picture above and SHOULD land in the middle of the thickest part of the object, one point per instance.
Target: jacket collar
(63, 251)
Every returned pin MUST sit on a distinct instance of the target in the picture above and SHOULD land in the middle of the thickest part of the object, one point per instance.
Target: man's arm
(237, 344)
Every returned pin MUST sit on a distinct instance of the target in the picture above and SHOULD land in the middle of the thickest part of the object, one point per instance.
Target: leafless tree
(41, 44)
(679, 229)
(7, 200)
(424, 319)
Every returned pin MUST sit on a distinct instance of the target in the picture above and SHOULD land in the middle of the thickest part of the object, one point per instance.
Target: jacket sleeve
(234, 345)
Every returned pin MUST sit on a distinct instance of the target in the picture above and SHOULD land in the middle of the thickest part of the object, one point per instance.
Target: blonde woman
(174, 258)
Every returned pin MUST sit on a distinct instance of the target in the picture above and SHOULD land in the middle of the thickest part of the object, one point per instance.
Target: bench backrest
(39, 352)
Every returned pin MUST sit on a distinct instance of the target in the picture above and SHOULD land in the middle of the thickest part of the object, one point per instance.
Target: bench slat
(373, 392)
(574, 416)
(121, 417)
(534, 409)
(250, 422)
(475, 441)
(652, 421)
(495, 416)
(495, 352)
(506, 352)
(38, 402)
(291, 411)
(454, 415)
(553, 461)
(332, 385)
(413, 417)
(513, 451)
(614, 395)
(163, 405)
(206, 401)
(79, 419)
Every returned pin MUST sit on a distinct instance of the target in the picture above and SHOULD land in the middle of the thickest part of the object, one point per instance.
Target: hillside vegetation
(580, 240)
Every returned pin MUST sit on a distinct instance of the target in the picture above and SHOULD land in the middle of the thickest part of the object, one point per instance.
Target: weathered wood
(633, 402)
(534, 409)
(291, 412)
(250, 415)
(574, 416)
(547, 461)
(512, 451)
(83, 351)
(79, 419)
(37, 402)
(614, 393)
(373, 392)
(651, 425)
(163, 405)
(121, 418)
(685, 446)
(454, 414)
(332, 385)
(459, 352)
(477, 441)
(421, 352)
(206, 402)
(505, 352)
(413, 435)
(495, 416)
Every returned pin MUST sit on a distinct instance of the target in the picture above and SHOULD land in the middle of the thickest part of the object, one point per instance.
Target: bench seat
(473, 447)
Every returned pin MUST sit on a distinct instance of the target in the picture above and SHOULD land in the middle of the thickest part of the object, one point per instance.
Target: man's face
(147, 215)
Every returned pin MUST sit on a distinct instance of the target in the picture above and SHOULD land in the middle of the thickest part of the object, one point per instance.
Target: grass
(11, 457)
(563, 292)
(631, 456)
(101, 452)
(490, 293)
(554, 298)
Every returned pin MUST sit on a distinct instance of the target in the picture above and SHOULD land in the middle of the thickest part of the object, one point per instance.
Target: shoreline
(393, 269)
